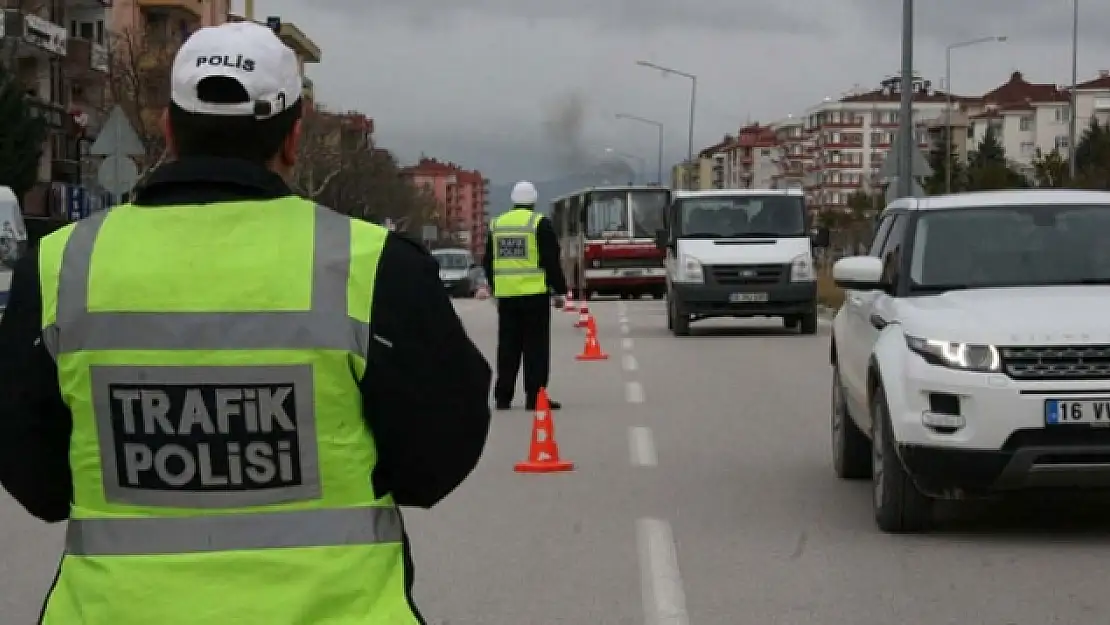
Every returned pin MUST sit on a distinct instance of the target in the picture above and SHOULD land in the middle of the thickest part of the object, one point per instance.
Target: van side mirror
(661, 239)
(820, 238)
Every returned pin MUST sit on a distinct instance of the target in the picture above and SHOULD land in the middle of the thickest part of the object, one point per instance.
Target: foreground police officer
(522, 256)
(243, 386)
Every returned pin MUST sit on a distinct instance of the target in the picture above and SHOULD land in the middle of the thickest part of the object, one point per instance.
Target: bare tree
(139, 82)
(320, 154)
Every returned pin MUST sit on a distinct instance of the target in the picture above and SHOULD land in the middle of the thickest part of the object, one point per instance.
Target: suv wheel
(850, 447)
(899, 506)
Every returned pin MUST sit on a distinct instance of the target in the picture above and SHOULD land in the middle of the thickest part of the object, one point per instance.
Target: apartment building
(707, 171)
(1093, 100)
(751, 159)
(791, 138)
(1025, 117)
(462, 200)
(845, 141)
(307, 51)
(56, 64)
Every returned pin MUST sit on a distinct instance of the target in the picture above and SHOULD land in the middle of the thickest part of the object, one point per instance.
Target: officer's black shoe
(531, 404)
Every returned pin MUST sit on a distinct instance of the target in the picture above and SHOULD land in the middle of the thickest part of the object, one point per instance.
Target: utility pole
(905, 116)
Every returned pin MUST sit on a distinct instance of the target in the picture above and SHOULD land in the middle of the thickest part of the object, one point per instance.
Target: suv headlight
(801, 269)
(690, 269)
(965, 356)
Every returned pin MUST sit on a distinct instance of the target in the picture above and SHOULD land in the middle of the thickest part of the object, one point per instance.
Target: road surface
(703, 495)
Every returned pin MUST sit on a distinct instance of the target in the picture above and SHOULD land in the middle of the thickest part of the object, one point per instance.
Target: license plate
(632, 273)
(748, 298)
(1077, 412)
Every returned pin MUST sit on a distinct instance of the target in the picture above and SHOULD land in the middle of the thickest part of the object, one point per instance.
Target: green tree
(988, 169)
(937, 183)
(1050, 171)
(1092, 157)
(21, 137)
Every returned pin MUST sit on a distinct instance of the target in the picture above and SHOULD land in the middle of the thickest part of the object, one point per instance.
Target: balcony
(195, 8)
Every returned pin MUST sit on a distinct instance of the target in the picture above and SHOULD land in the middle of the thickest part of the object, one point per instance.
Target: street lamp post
(948, 100)
(693, 104)
(659, 126)
(1073, 128)
(905, 114)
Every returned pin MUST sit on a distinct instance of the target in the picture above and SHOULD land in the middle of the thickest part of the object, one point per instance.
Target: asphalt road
(703, 495)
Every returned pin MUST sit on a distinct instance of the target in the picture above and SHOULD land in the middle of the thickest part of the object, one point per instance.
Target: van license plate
(748, 298)
(1077, 412)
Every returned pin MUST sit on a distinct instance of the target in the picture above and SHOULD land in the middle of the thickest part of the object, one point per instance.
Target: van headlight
(690, 270)
(955, 355)
(801, 269)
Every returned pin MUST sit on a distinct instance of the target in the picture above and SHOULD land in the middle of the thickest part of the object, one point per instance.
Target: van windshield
(13, 236)
(738, 216)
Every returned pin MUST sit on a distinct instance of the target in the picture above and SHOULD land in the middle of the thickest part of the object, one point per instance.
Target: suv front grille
(1056, 362)
(739, 275)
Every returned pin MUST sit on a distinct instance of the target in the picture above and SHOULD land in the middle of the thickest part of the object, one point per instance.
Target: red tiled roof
(1018, 90)
(1102, 82)
(884, 95)
(432, 167)
(717, 147)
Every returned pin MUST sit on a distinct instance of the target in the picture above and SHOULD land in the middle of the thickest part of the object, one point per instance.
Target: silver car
(461, 276)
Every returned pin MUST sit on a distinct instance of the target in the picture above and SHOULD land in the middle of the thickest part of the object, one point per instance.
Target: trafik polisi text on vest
(206, 438)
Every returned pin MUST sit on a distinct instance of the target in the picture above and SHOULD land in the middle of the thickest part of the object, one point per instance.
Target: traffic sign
(117, 136)
(919, 168)
(118, 174)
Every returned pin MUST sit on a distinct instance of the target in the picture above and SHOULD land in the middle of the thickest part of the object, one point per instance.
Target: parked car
(972, 353)
(461, 276)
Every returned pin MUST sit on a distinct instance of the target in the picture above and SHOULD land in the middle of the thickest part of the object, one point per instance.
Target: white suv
(972, 353)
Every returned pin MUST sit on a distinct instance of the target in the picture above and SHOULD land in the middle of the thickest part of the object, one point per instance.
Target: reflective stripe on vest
(520, 275)
(275, 530)
(168, 331)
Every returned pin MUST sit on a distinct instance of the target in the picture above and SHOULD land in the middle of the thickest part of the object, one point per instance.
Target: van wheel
(850, 448)
(899, 506)
(681, 319)
(809, 323)
(670, 318)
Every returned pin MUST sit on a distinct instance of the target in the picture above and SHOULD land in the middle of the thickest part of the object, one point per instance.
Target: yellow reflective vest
(516, 255)
(221, 462)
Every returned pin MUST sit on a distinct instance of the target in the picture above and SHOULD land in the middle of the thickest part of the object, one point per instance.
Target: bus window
(608, 215)
(648, 209)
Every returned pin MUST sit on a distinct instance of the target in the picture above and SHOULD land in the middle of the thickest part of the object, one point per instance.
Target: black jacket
(547, 240)
(425, 392)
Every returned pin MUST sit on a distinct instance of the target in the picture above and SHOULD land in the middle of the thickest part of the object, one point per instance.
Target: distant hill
(616, 172)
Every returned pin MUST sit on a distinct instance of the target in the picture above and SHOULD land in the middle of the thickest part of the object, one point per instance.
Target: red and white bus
(607, 239)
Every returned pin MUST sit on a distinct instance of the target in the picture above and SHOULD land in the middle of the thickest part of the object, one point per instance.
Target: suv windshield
(1011, 246)
(13, 236)
(742, 216)
(452, 260)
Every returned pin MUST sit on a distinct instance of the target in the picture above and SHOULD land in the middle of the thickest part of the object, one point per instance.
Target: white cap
(524, 194)
(251, 54)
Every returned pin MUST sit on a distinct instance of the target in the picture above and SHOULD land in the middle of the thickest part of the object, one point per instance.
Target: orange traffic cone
(592, 349)
(583, 316)
(543, 452)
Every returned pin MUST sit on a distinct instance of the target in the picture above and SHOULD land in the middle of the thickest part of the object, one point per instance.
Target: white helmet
(524, 194)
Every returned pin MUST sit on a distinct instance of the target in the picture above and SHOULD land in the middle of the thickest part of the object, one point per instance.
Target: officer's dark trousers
(523, 332)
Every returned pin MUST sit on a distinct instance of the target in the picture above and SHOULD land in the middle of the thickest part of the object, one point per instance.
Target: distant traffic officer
(522, 260)
(228, 391)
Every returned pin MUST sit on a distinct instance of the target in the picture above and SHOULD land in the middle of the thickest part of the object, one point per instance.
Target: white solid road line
(641, 446)
(664, 597)
(627, 343)
(634, 393)
(629, 363)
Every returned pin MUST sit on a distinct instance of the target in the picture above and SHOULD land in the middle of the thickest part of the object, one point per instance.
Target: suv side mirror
(820, 238)
(859, 273)
(661, 239)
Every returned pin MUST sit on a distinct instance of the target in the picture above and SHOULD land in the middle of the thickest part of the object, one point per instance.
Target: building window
(1027, 148)
(1027, 123)
(1063, 114)
(1062, 142)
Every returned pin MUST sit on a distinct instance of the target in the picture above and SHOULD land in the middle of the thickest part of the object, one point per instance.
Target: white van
(13, 241)
(461, 276)
(740, 253)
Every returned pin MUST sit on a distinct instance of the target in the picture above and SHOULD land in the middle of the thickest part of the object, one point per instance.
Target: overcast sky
(529, 88)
